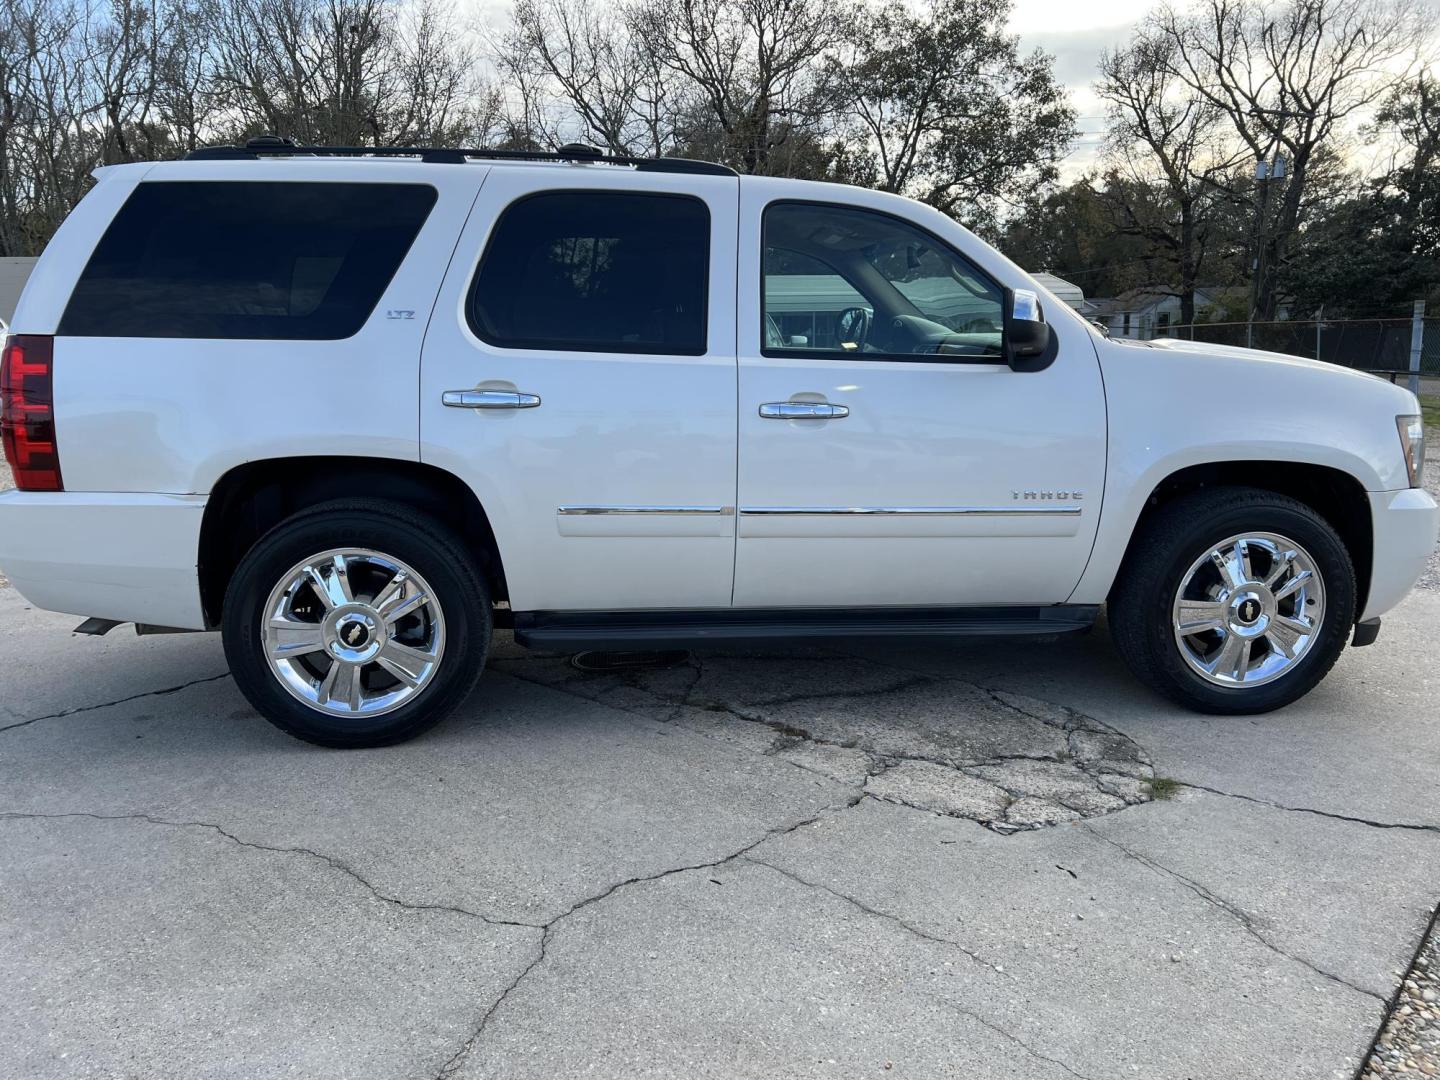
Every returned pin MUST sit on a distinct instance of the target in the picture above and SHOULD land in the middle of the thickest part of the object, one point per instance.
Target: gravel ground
(1431, 578)
(6, 483)
(1409, 1044)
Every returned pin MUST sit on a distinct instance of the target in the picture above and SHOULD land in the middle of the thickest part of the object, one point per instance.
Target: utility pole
(1417, 345)
(1265, 172)
(1319, 321)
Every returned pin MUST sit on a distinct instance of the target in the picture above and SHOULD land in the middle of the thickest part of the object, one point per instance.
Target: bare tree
(1288, 78)
(50, 138)
(353, 72)
(187, 107)
(748, 69)
(440, 99)
(590, 78)
(1165, 139)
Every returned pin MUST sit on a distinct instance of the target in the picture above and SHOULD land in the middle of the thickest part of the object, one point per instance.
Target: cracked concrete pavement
(899, 860)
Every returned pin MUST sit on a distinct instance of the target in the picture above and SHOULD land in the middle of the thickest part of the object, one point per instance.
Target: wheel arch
(1336, 495)
(253, 498)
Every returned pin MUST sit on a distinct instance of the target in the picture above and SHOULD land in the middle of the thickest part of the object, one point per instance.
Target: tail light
(27, 412)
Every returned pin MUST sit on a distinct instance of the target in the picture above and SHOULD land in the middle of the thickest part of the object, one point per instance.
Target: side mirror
(1029, 345)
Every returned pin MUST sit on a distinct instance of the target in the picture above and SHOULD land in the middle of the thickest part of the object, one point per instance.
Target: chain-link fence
(1375, 344)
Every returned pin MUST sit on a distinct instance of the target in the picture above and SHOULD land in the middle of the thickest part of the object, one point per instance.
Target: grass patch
(1430, 406)
(1162, 787)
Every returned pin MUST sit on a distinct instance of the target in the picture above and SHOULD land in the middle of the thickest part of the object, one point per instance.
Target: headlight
(1412, 442)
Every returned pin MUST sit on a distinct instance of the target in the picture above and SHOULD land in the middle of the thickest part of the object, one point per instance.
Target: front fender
(1173, 410)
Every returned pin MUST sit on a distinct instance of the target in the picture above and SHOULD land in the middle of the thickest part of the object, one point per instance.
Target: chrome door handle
(802, 410)
(489, 399)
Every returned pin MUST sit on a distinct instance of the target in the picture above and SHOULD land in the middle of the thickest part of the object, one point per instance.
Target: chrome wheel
(353, 632)
(1248, 609)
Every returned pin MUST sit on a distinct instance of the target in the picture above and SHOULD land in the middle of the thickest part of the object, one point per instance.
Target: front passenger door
(888, 454)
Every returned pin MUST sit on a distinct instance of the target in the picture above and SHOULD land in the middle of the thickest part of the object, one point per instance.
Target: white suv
(356, 409)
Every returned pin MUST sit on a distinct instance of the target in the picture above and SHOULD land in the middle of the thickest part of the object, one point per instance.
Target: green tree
(1070, 231)
(942, 106)
(1377, 250)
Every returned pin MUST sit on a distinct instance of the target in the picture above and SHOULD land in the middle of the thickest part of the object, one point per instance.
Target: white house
(1067, 291)
(14, 272)
(1150, 313)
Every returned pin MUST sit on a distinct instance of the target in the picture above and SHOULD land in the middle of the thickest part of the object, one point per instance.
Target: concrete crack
(118, 701)
(686, 701)
(329, 860)
(1406, 825)
(875, 912)
(925, 935)
(1009, 1037)
(848, 695)
(1239, 915)
(1118, 782)
(547, 930)
(456, 1059)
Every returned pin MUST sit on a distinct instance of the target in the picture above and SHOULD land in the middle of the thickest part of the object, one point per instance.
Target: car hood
(1239, 352)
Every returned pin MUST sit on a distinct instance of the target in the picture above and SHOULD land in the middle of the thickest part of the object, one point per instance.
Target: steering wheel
(853, 327)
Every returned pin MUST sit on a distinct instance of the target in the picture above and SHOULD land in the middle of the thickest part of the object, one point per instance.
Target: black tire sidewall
(1190, 540)
(423, 544)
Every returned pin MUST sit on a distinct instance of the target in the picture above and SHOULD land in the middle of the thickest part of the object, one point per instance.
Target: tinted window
(853, 282)
(599, 271)
(246, 260)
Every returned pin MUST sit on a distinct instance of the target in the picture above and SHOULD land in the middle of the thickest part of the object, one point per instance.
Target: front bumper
(116, 555)
(1405, 524)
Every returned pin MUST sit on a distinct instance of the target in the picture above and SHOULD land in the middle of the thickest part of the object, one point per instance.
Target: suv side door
(889, 456)
(579, 375)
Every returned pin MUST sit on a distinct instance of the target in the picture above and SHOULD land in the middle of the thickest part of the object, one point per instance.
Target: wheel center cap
(1250, 611)
(354, 634)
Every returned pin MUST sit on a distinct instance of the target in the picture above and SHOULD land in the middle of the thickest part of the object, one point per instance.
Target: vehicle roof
(360, 168)
(392, 169)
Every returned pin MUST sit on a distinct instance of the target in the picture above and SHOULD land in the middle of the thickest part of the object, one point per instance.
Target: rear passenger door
(579, 373)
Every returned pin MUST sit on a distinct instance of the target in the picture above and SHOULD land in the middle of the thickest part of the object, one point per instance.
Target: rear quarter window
(246, 259)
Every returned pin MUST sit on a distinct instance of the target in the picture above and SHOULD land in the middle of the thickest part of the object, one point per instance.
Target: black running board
(576, 631)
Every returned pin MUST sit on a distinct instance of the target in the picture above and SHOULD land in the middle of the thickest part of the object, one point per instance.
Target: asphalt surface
(894, 861)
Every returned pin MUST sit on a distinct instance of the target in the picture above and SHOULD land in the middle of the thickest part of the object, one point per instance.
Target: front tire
(1234, 600)
(355, 624)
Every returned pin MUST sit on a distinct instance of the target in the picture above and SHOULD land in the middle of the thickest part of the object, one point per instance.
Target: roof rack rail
(275, 146)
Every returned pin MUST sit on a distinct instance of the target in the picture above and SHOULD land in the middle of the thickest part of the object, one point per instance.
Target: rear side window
(270, 260)
(596, 271)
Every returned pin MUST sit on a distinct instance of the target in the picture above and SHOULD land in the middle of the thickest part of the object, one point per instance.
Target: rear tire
(1195, 618)
(357, 623)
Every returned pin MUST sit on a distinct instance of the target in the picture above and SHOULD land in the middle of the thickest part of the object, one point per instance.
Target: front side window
(243, 259)
(596, 271)
(854, 283)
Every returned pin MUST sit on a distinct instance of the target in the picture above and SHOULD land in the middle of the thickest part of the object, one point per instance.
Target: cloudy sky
(1075, 33)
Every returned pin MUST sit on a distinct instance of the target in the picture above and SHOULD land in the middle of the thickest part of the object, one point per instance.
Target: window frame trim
(915, 358)
(618, 349)
(364, 323)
